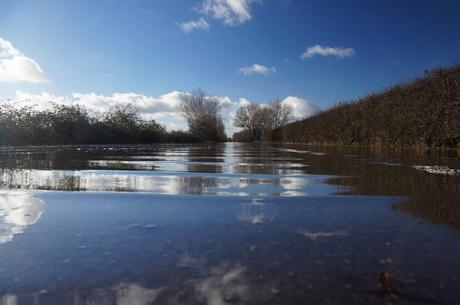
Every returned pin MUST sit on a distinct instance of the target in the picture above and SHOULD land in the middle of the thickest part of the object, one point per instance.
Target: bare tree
(122, 115)
(202, 115)
(196, 105)
(277, 115)
(248, 116)
(263, 118)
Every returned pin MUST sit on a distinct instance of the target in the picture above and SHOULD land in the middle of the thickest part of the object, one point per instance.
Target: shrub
(424, 112)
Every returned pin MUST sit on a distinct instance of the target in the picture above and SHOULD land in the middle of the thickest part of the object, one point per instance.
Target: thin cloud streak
(258, 69)
(318, 50)
(190, 26)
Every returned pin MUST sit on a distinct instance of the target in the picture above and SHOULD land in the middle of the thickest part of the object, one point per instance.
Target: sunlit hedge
(424, 112)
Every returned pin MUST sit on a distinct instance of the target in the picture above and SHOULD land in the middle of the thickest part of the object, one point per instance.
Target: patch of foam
(317, 235)
(302, 151)
(257, 201)
(438, 170)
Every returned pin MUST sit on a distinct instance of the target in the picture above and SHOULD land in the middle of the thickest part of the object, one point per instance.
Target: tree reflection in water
(214, 249)
(245, 169)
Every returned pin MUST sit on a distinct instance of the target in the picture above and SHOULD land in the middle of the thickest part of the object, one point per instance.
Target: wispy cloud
(192, 25)
(258, 69)
(327, 51)
(231, 12)
(15, 67)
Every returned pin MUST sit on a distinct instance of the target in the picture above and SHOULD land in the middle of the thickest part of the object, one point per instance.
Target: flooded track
(228, 224)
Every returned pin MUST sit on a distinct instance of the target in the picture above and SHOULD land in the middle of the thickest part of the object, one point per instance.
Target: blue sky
(234, 49)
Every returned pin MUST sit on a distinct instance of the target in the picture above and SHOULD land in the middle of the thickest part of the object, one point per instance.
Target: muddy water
(228, 224)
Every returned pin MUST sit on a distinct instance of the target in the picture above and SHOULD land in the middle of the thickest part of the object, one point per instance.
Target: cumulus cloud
(258, 69)
(162, 109)
(192, 25)
(99, 103)
(230, 12)
(327, 51)
(302, 108)
(15, 67)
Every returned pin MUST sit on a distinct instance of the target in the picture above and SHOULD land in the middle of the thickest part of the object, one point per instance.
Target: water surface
(227, 224)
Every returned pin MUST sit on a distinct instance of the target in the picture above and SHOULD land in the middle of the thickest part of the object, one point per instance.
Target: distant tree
(242, 136)
(151, 132)
(202, 115)
(68, 123)
(122, 121)
(72, 124)
(122, 116)
(221, 136)
(277, 115)
(249, 116)
(180, 136)
(256, 118)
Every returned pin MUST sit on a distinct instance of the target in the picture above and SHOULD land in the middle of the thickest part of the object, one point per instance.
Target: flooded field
(228, 224)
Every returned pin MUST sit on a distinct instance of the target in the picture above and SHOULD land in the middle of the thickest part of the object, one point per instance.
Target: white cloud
(192, 25)
(258, 69)
(162, 109)
(231, 12)
(302, 108)
(15, 67)
(327, 51)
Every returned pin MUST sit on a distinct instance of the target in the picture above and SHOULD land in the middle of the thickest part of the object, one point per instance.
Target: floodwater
(228, 224)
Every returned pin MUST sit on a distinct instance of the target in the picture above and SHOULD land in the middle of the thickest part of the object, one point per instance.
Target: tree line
(72, 124)
(425, 112)
(121, 124)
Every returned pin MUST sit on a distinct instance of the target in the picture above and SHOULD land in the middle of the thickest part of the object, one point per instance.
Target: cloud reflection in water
(157, 182)
(257, 212)
(219, 285)
(18, 210)
(121, 294)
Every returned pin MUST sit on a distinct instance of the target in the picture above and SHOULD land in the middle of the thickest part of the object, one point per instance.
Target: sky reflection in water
(224, 170)
(280, 235)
